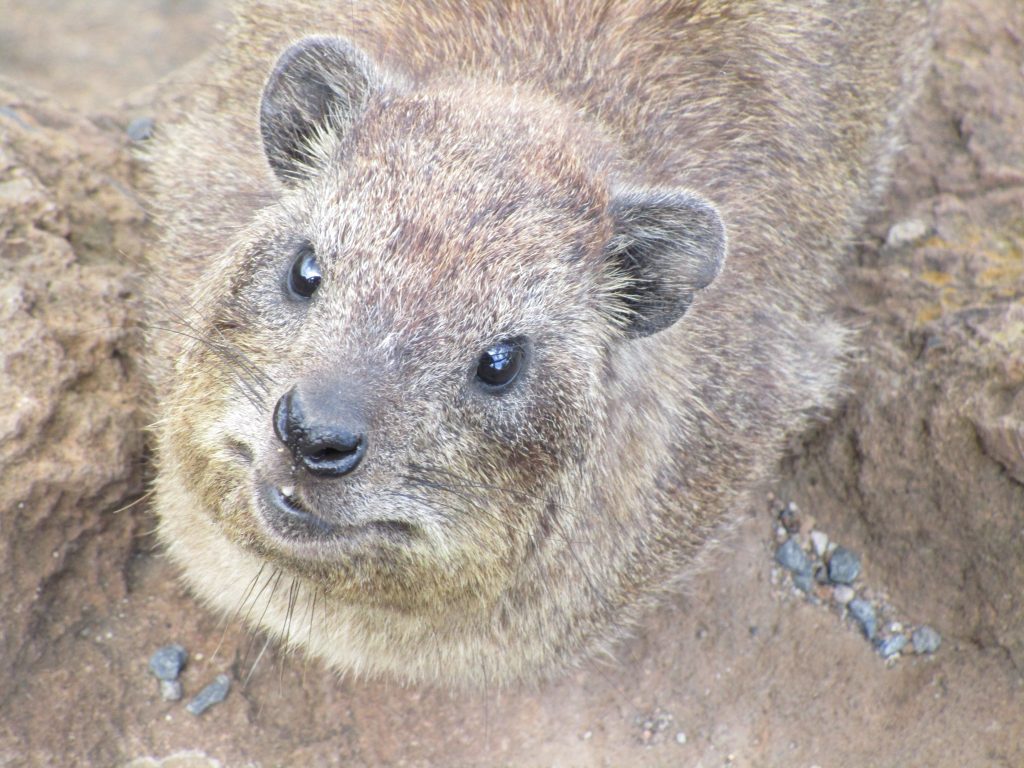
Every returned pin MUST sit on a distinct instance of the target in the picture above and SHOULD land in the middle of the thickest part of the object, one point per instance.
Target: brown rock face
(925, 464)
(70, 438)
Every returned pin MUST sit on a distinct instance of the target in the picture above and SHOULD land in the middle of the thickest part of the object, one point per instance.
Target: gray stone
(926, 640)
(167, 662)
(843, 566)
(791, 557)
(864, 613)
(821, 573)
(170, 690)
(890, 646)
(140, 129)
(803, 581)
(819, 540)
(212, 694)
(843, 594)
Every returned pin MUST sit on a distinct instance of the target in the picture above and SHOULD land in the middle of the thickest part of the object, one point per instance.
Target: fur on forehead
(436, 204)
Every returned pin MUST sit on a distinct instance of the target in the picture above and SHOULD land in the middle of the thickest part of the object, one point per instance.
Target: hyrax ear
(670, 244)
(318, 84)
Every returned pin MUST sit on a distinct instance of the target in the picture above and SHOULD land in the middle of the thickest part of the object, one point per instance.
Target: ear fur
(670, 244)
(318, 83)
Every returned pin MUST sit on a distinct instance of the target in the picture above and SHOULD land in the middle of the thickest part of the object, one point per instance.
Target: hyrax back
(491, 312)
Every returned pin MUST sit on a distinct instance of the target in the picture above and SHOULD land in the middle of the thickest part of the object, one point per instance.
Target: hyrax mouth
(285, 514)
(290, 519)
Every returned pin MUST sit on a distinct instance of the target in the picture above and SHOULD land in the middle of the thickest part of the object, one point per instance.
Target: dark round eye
(500, 364)
(304, 276)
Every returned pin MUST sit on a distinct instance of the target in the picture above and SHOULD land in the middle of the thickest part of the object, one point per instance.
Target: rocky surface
(919, 473)
(70, 439)
(923, 466)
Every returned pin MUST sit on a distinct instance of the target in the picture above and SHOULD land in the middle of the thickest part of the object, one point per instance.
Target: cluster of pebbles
(827, 574)
(166, 665)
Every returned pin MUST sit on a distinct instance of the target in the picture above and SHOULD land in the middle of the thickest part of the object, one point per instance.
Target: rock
(819, 541)
(789, 517)
(170, 690)
(1002, 435)
(140, 129)
(923, 460)
(905, 233)
(864, 613)
(803, 581)
(820, 574)
(791, 557)
(212, 694)
(167, 662)
(926, 640)
(843, 594)
(892, 645)
(70, 427)
(843, 566)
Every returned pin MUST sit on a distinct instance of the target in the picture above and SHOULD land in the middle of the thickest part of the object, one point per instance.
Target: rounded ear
(318, 84)
(670, 244)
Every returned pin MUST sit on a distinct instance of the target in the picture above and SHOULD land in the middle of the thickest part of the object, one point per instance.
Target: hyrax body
(474, 321)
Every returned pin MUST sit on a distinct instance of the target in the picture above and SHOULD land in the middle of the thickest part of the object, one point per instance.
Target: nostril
(330, 452)
(340, 446)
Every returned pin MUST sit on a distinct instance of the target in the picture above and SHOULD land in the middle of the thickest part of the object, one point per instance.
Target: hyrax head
(404, 403)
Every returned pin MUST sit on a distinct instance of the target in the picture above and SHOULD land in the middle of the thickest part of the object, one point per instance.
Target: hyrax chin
(472, 325)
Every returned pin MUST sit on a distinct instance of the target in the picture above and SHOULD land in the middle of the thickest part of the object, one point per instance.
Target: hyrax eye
(304, 276)
(499, 365)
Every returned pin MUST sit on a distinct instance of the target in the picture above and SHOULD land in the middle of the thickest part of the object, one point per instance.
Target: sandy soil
(918, 472)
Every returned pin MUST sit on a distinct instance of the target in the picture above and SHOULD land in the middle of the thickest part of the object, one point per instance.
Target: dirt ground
(920, 471)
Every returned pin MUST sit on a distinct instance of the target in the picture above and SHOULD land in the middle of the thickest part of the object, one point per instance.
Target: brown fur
(475, 200)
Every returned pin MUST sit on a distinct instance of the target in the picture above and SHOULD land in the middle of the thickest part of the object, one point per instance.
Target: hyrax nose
(322, 429)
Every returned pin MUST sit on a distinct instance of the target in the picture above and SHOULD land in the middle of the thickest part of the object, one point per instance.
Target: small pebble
(792, 558)
(821, 574)
(864, 613)
(212, 694)
(906, 232)
(803, 581)
(790, 518)
(926, 640)
(140, 129)
(891, 646)
(167, 662)
(170, 690)
(843, 566)
(819, 540)
(680, 738)
(843, 594)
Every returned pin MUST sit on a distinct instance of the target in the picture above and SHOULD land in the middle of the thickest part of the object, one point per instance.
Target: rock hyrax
(472, 322)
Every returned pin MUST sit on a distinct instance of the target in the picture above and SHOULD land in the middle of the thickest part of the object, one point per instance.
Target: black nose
(320, 431)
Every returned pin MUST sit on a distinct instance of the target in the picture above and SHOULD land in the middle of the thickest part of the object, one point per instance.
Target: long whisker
(250, 390)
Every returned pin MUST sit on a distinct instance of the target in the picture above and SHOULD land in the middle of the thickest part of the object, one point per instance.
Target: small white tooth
(287, 490)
